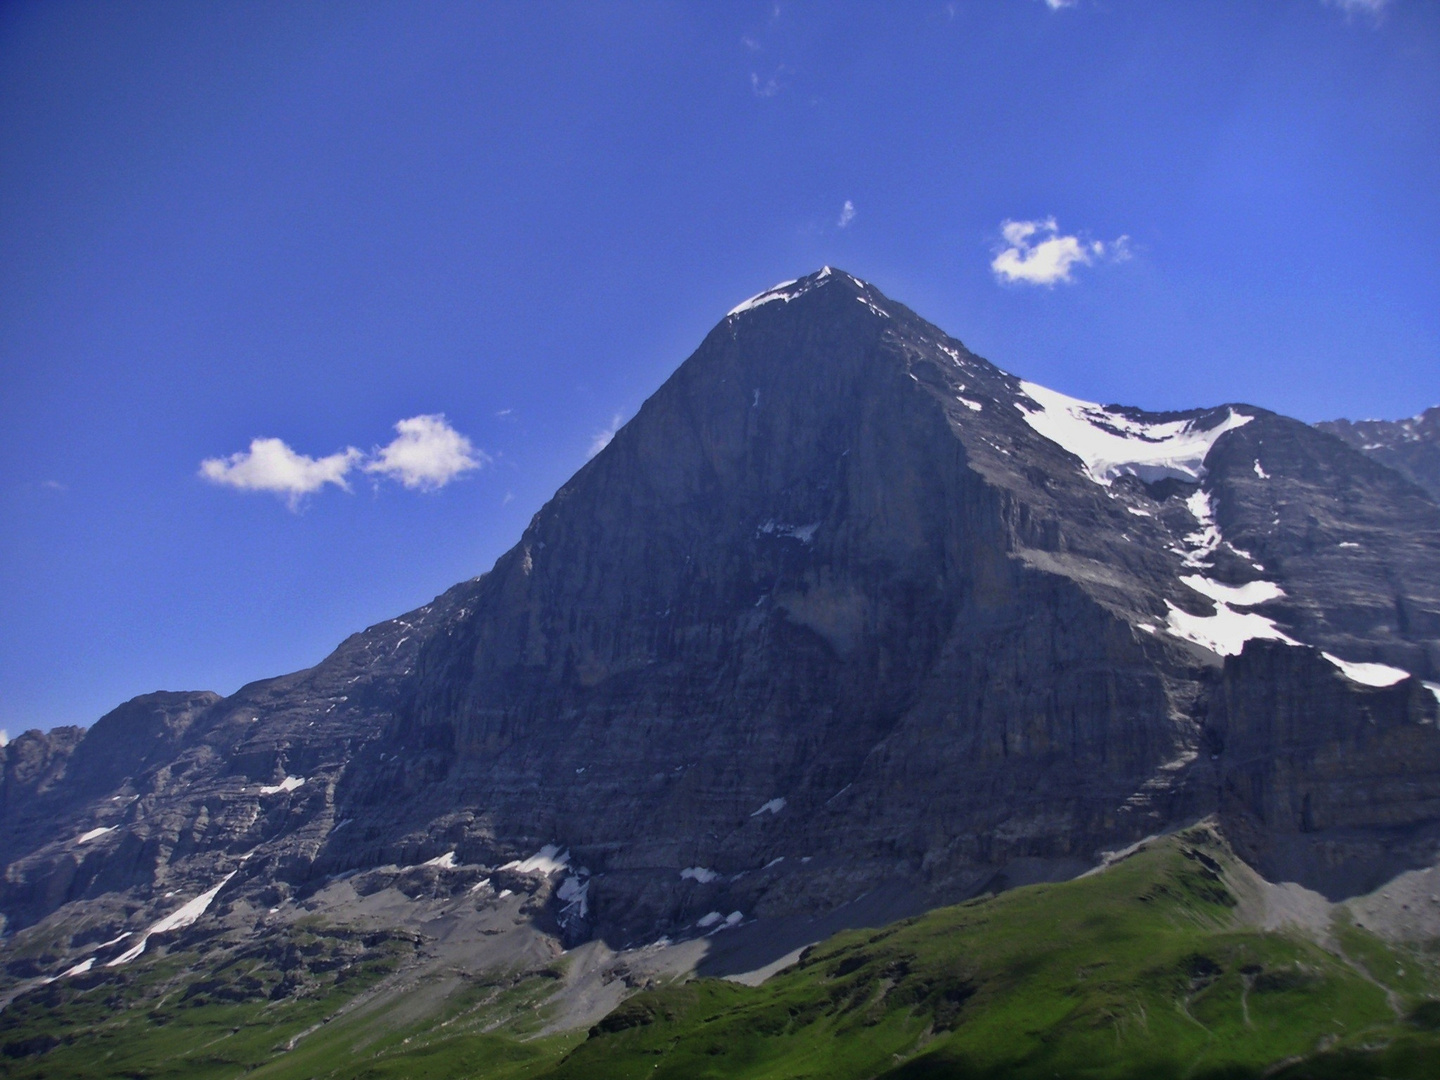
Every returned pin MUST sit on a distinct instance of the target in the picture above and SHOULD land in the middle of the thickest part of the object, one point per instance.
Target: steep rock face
(1323, 780)
(1411, 447)
(844, 608)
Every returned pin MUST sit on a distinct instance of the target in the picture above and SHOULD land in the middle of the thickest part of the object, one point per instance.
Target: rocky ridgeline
(1410, 447)
(845, 609)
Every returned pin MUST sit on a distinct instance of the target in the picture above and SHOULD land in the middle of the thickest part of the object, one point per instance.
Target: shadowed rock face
(1324, 781)
(833, 612)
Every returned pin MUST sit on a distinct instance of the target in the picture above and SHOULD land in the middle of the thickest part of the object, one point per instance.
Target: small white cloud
(1037, 253)
(1056, 5)
(750, 43)
(427, 454)
(270, 465)
(602, 438)
(847, 214)
(53, 485)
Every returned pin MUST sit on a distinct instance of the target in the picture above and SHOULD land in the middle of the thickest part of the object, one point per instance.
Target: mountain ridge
(737, 662)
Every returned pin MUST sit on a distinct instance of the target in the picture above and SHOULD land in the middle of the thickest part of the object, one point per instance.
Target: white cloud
(847, 214)
(1056, 5)
(602, 438)
(270, 465)
(1037, 253)
(427, 454)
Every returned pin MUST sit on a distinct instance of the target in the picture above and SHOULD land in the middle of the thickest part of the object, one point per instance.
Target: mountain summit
(845, 611)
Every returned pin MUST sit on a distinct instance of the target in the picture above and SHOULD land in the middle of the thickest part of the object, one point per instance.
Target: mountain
(1410, 447)
(846, 624)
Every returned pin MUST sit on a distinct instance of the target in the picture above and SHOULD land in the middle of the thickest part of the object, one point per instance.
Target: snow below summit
(789, 290)
(1247, 595)
(1368, 674)
(1111, 444)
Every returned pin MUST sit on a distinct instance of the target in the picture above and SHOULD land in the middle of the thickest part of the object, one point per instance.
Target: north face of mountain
(844, 610)
(1411, 447)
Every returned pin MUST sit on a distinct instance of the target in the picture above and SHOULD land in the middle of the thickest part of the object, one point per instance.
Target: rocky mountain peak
(844, 610)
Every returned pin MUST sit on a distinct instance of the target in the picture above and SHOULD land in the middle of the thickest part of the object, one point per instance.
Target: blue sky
(311, 222)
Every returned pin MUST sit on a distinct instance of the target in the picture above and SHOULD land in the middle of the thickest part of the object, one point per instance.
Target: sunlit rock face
(844, 608)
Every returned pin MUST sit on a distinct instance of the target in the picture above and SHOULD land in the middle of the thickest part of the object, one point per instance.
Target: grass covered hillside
(1152, 968)
(1144, 970)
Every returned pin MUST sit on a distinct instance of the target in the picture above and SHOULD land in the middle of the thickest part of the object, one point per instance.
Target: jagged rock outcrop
(844, 608)
(1411, 447)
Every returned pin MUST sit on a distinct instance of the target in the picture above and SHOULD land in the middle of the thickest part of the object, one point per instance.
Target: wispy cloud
(767, 88)
(1374, 9)
(602, 438)
(270, 465)
(1358, 7)
(1037, 253)
(847, 214)
(426, 454)
(1056, 5)
(53, 485)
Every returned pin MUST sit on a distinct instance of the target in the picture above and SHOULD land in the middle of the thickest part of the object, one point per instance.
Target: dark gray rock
(1411, 447)
(829, 616)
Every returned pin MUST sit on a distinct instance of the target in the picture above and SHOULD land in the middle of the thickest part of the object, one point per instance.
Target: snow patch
(804, 533)
(1111, 444)
(546, 861)
(1261, 473)
(774, 806)
(176, 920)
(786, 291)
(1247, 595)
(708, 920)
(773, 862)
(1434, 688)
(290, 783)
(79, 969)
(94, 834)
(973, 405)
(445, 862)
(1206, 540)
(699, 873)
(1225, 632)
(1368, 674)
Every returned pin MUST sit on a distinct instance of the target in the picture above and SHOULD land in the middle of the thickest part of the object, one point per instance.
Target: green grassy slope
(1141, 971)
